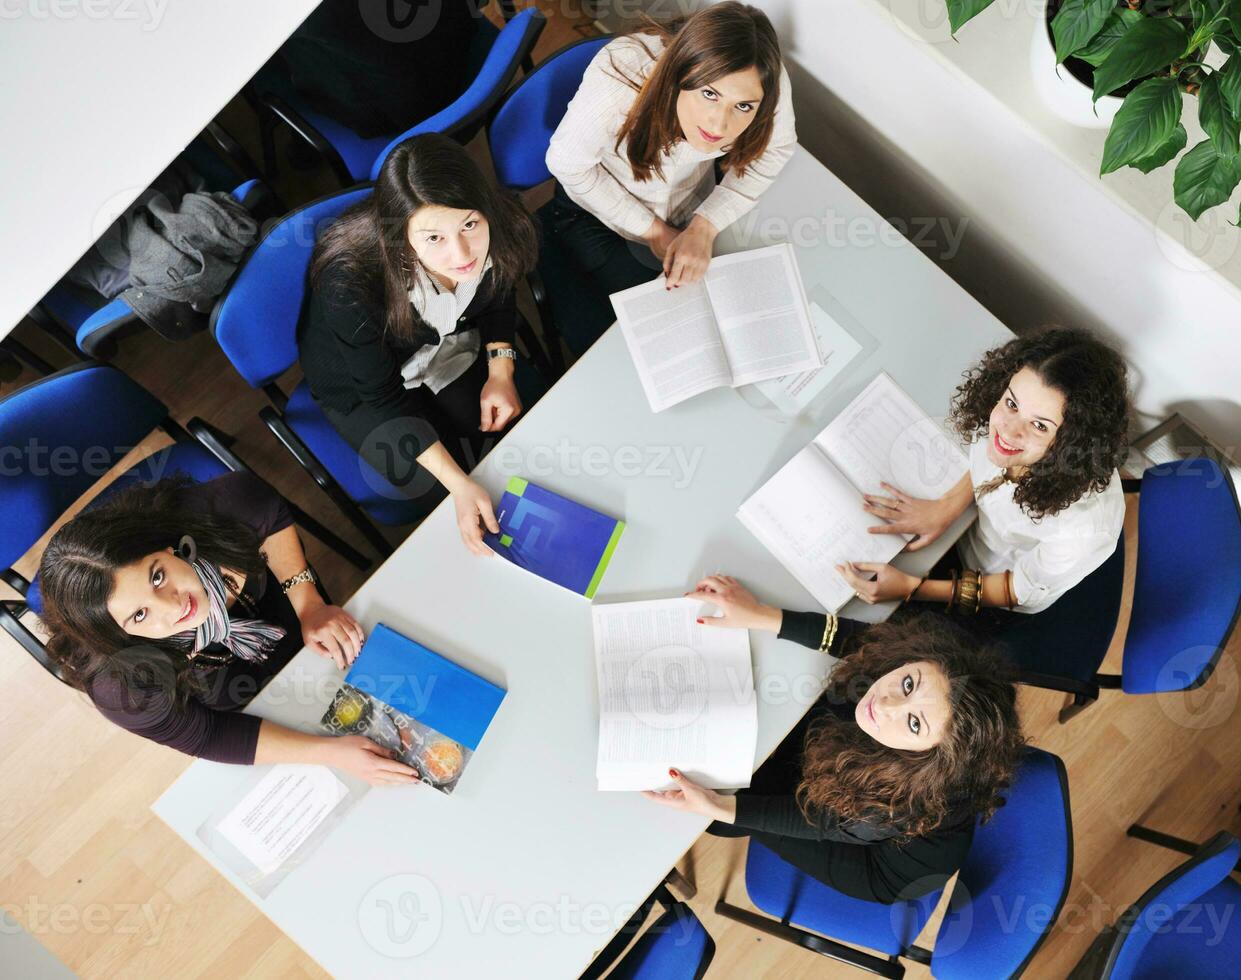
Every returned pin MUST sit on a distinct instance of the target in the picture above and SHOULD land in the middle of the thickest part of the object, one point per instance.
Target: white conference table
(527, 870)
(96, 98)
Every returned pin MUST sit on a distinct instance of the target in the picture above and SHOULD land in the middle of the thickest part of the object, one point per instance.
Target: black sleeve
(497, 322)
(807, 628)
(781, 815)
(244, 497)
(366, 364)
(192, 728)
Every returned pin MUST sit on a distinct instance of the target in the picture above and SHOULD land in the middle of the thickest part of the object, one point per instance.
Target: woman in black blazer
(407, 340)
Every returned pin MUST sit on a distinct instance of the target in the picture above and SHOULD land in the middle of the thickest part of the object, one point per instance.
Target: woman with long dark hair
(407, 341)
(1047, 418)
(173, 605)
(635, 156)
(877, 790)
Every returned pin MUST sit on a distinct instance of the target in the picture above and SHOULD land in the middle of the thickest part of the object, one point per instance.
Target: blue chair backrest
(1188, 588)
(497, 73)
(255, 321)
(523, 127)
(675, 947)
(1168, 896)
(58, 436)
(1015, 879)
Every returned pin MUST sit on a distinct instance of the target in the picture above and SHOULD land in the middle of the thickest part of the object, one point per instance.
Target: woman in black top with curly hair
(1047, 418)
(877, 790)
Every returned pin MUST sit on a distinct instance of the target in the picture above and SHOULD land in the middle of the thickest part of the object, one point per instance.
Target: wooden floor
(109, 889)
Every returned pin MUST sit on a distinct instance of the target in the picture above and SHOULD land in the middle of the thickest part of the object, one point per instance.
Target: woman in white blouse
(635, 157)
(1048, 417)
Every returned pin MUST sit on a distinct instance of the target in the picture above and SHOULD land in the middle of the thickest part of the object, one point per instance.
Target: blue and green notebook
(555, 538)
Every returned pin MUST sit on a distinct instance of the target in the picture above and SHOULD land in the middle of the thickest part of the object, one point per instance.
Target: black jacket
(349, 359)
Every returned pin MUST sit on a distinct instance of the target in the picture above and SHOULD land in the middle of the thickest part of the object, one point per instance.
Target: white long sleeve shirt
(1049, 556)
(583, 154)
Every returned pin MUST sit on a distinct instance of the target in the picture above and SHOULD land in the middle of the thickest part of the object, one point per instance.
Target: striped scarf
(249, 639)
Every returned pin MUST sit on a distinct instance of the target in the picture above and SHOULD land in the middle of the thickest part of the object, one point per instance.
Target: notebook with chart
(809, 515)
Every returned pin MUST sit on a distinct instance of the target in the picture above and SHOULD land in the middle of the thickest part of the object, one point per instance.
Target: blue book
(431, 712)
(555, 538)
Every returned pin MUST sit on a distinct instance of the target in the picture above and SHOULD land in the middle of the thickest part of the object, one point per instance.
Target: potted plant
(1154, 54)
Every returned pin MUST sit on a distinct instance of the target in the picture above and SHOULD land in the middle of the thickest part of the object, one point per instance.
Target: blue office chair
(1188, 924)
(498, 56)
(60, 435)
(1024, 852)
(519, 134)
(79, 320)
(1188, 518)
(674, 947)
(255, 323)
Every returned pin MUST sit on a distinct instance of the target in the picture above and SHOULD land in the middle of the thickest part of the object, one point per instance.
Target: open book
(745, 321)
(809, 515)
(672, 694)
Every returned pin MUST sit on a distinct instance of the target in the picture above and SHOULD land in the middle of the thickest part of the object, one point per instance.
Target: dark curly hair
(1094, 437)
(849, 774)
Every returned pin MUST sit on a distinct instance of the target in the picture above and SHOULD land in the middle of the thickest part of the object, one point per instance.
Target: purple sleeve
(192, 728)
(246, 498)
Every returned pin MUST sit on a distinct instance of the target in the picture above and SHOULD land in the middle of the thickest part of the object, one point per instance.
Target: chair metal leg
(888, 966)
(12, 625)
(1077, 704)
(306, 459)
(217, 444)
(1178, 844)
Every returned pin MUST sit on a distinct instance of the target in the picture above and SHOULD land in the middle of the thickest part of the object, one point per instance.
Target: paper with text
(672, 693)
(280, 812)
(837, 347)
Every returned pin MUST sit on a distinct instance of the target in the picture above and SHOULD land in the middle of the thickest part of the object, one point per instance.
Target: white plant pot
(1061, 92)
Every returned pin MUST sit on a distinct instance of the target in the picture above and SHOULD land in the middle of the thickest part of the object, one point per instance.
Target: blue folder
(554, 537)
(420, 683)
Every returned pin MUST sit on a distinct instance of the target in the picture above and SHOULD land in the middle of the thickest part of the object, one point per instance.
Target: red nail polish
(700, 623)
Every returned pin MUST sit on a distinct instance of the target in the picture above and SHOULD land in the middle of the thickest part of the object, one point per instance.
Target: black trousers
(883, 872)
(582, 262)
(376, 437)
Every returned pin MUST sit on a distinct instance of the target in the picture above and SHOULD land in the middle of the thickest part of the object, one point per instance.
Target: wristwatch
(496, 352)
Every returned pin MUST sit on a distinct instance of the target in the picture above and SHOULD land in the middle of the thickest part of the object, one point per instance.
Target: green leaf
(1146, 121)
(1148, 46)
(1204, 179)
(1234, 16)
(1216, 118)
(1163, 154)
(1226, 44)
(961, 12)
(1118, 23)
(1229, 77)
(1077, 22)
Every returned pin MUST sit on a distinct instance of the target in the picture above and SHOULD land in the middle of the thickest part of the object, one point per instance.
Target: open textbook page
(672, 694)
(809, 515)
(746, 321)
(761, 310)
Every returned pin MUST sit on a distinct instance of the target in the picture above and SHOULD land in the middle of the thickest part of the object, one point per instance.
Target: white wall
(1040, 241)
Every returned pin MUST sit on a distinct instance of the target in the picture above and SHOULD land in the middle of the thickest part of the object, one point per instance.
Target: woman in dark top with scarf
(407, 340)
(877, 790)
(172, 606)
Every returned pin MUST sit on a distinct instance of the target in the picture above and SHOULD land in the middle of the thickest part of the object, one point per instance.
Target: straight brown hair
(700, 49)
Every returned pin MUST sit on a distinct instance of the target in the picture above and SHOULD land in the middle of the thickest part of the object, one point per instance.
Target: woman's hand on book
(739, 607)
(368, 760)
(473, 504)
(888, 583)
(332, 633)
(928, 519)
(659, 236)
(689, 796)
(688, 255)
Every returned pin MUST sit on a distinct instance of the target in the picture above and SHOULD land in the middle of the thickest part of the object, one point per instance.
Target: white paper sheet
(672, 694)
(280, 812)
(837, 348)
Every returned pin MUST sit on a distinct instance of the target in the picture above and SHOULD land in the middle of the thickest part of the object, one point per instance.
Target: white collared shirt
(1048, 556)
(440, 364)
(583, 154)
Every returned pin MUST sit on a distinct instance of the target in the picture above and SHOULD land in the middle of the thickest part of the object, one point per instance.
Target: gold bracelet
(829, 632)
(971, 591)
(952, 595)
(1008, 589)
(307, 574)
(909, 597)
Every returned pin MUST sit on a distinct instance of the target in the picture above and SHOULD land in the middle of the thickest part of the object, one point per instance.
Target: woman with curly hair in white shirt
(636, 156)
